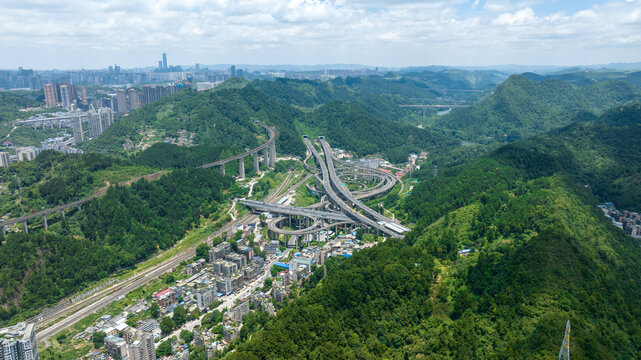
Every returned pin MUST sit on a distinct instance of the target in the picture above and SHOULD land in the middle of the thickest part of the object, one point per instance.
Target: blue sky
(68, 34)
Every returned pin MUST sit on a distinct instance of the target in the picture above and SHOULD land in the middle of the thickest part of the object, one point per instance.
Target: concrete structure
(239, 260)
(78, 134)
(121, 102)
(4, 159)
(219, 251)
(273, 247)
(134, 99)
(206, 297)
(27, 153)
(116, 346)
(99, 120)
(51, 99)
(267, 146)
(224, 286)
(18, 342)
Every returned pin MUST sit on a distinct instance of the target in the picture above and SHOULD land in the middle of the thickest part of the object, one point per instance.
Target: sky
(92, 34)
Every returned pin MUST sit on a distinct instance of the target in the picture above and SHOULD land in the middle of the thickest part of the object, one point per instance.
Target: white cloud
(92, 33)
(521, 17)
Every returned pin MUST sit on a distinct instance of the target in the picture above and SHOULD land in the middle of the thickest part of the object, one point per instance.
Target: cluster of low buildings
(628, 221)
(221, 280)
(122, 341)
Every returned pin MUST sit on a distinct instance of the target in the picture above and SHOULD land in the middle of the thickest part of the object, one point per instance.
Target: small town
(628, 221)
(207, 302)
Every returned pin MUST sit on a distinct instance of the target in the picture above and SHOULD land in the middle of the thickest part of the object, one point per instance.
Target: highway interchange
(55, 321)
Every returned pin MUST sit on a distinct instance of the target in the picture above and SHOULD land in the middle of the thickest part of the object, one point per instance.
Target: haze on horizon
(46, 34)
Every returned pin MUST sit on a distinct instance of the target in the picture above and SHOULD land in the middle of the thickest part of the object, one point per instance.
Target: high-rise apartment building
(164, 61)
(148, 347)
(206, 297)
(99, 121)
(66, 96)
(83, 91)
(4, 162)
(121, 101)
(59, 94)
(26, 153)
(50, 95)
(78, 136)
(134, 99)
(19, 343)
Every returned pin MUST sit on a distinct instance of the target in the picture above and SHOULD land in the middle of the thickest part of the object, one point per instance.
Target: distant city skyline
(64, 35)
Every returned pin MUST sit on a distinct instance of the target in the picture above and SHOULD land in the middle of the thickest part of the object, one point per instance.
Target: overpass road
(328, 188)
(336, 183)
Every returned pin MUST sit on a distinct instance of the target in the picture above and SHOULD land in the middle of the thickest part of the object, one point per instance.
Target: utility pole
(564, 353)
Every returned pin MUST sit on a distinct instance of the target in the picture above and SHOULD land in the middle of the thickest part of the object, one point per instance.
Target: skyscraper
(233, 70)
(121, 101)
(148, 347)
(134, 102)
(50, 95)
(164, 61)
(66, 96)
(83, 90)
(78, 136)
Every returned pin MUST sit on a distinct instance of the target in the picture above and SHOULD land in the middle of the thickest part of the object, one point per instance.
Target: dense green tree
(167, 325)
(164, 349)
(180, 316)
(202, 251)
(98, 339)
(186, 336)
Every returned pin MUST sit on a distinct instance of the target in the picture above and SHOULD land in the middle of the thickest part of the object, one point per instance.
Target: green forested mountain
(54, 178)
(589, 77)
(458, 79)
(118, 230)
(351, 127)
(541, 253)
(521, 107)
(353, 112)
(308, 93)
(217, 118)
(12, 101)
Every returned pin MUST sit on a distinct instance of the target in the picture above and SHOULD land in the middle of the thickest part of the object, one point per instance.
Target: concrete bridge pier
(272, 154)
(62, 213)
(241, 168)
(256, 163)
(266, 157)
(222, 169)
(25, 227)
(44, 221)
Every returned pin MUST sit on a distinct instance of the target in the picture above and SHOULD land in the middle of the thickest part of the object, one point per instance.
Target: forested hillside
(589, 77)
(12, 101)
(541, 253)
(521, 107)
(54, 178)
(118, 230)
(218, 119)
(350, 127)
